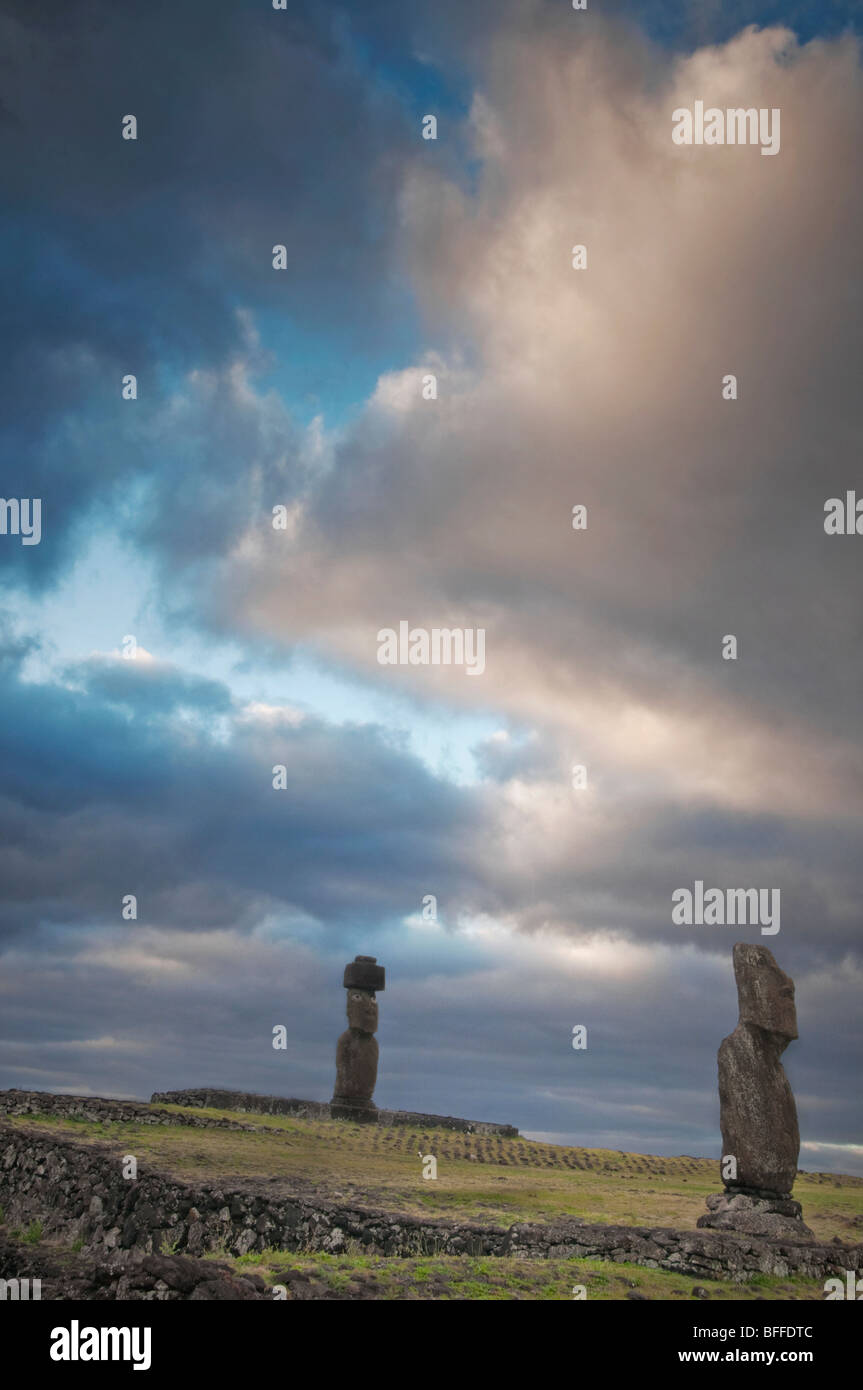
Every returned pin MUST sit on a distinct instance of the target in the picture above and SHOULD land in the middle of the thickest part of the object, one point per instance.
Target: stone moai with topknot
(757, 1114)
(357, 1049)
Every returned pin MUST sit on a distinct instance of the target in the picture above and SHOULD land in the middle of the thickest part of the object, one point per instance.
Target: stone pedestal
(755, 1212)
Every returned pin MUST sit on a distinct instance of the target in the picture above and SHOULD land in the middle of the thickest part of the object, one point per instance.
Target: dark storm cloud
(255, 128)
(97, 805)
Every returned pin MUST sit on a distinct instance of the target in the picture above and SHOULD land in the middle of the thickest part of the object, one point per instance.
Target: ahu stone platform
(251, 1103)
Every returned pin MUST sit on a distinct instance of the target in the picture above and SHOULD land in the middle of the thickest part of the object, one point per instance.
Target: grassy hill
(484, 1179)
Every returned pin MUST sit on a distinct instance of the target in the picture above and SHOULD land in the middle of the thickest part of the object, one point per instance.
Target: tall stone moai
(757, 1114)
(357, 1049)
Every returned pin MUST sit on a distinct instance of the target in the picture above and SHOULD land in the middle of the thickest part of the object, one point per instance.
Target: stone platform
(755, 1212)
(251, 1103)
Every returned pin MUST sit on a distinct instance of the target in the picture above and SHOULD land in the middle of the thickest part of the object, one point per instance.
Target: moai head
(363, 977)
(765, 993)
(362, 1010)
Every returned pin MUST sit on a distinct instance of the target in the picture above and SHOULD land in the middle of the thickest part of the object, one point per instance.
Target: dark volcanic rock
(757, 1215)
(757, 1114)
(357, 1050)
(103, 1110)
(66, 1274)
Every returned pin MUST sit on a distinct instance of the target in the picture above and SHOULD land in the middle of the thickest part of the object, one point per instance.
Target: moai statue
(757, 1114)
(357, 1050)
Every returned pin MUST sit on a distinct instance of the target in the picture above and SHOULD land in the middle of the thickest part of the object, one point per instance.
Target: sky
(429, 815)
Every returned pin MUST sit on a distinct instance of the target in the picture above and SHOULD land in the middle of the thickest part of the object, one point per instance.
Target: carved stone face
(362, 1010)
(765, 992)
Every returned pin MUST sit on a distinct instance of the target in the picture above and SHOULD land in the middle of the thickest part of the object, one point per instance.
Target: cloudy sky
(303, 388)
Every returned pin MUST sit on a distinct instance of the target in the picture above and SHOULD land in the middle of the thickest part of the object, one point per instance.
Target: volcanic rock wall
(311, 1109)
(78, 1192)
(101, 1110)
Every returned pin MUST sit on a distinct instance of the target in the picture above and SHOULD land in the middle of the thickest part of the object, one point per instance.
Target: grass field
(483, 1179)
(358, 1276)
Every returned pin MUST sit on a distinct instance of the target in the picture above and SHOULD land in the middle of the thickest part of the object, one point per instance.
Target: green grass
(494, 1280)
(507, 1180)
(480, 1179)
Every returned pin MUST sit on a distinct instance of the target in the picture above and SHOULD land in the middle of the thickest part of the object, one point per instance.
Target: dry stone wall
(78, 1193)
(252, 1103)
(101, 1110)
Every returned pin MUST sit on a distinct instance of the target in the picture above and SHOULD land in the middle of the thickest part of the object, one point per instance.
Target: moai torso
(357, 1051)
(758, 1116)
